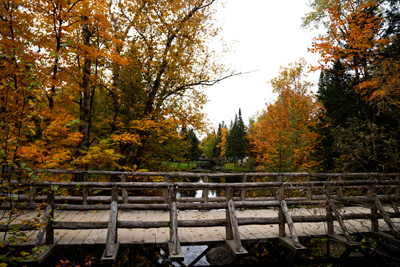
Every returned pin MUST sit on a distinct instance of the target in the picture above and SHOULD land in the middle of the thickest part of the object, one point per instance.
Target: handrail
(325, 192)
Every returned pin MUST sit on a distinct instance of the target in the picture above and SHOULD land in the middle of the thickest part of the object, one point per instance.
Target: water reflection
(211, 192)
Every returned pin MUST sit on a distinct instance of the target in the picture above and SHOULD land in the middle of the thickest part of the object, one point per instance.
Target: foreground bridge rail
(377, 193)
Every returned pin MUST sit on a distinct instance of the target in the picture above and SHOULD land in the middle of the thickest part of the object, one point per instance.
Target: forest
(120, 85)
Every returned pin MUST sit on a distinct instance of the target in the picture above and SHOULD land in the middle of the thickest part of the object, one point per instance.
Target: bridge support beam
(174, 246)
(111, 251)
(232, 230)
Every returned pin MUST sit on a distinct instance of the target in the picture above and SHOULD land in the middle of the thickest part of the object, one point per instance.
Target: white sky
(263, 35)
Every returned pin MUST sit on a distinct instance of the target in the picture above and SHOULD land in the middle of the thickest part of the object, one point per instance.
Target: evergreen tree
(341, 102)
(194, 151)
(237, 142)
(357, 135)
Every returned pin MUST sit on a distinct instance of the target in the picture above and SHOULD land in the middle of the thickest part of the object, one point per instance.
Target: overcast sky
(263, 35)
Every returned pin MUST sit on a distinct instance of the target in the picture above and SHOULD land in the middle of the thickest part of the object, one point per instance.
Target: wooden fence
(250, 191)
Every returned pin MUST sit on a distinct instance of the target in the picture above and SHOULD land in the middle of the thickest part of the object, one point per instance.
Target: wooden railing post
(85, 191)
(33, 189)
(166, 192)
(124, 190)
(229, 231)
(339, 218)
(309, 193)
(49, 227)
(243, 191)
(232, 229)
(112, 245)
(280, 195)
(290, 224)
(329, 211)
(174, 244)
(340, 189)
(205, 190)
(386, 218)
(374, 209)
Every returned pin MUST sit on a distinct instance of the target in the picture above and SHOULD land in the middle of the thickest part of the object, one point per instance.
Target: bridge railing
(282, 190)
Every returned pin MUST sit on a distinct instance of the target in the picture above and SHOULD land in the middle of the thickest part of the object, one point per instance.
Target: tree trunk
(87, 103)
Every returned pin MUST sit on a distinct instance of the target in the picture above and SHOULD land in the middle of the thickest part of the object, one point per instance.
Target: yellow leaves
(99, 156)
(126, 138)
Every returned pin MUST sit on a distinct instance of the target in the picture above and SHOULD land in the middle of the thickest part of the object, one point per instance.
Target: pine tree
(237, 142)
(194, 151)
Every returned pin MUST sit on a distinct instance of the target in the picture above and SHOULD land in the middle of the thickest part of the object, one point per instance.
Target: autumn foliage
(358, 37)
(101, 84)
(359, 85)
(282, 139)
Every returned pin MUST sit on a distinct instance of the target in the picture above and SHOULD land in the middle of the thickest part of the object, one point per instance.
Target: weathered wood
(290, 224)
(112, 258)
(174, 239)
(85, 191)
(340, 188)
(235, 227)
(124, 190)
(309, 191)
(280, 195)
(229, 227)
(329, 211)
(49, 227)
(374, 209)
(205, 191)
(177, 256)
(192, 223)
(386, 218)
(291, 245)
(204, 203)
(243, 191)
(45, 220)
(166, 190)
(182, 174)
(339, 219)
(388, 240)
(39, 258)
(112, 230)
(114, 194)
(344, 240)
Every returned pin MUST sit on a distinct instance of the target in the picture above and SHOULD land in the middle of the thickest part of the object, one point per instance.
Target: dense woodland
(119, 85)
(103, 84)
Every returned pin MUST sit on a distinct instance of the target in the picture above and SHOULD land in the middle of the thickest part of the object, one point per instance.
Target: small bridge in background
(151, 209)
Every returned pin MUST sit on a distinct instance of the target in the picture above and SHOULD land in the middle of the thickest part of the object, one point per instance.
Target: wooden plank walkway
(187, 236)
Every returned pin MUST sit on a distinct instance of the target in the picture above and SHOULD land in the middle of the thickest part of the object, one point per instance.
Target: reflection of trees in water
(189, 193)
(214, 192)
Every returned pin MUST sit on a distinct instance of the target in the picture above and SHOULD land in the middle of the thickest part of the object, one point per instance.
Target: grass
(179, 165)
(232, 167)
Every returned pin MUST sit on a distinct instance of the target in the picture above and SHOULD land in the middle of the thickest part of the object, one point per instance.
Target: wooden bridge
(134, 211)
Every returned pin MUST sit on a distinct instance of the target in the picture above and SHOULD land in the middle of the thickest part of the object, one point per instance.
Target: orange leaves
(282, 139)
(74, 73)
(356, 36)
(353, 35)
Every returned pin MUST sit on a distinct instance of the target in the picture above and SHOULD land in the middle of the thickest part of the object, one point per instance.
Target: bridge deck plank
(101, 216)
(187, 235)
